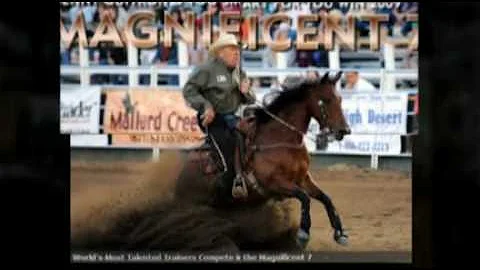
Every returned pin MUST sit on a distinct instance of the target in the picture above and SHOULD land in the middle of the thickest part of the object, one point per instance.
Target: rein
(283, 122)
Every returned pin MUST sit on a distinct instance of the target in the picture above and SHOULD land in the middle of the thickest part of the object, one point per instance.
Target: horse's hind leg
(289, 189)
(315, 192)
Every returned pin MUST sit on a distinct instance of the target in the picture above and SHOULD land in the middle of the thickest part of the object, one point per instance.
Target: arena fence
(87, 114)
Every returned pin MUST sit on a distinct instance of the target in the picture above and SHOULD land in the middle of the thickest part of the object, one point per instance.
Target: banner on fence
(377, 122)
(151, 117)
(354, 144)
(80, 110)
(376, 113)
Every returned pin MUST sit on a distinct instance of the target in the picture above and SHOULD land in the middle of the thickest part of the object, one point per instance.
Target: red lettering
(179, 123)
(158, 122)
(186, 123)
(154, 139)
(194, 124)
(135, 138)
(170, 118)
(116, 123)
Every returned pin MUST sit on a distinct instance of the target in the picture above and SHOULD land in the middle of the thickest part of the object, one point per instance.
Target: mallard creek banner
(156, 117)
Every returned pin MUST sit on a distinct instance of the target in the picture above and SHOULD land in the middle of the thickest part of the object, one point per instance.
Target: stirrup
(239, 188)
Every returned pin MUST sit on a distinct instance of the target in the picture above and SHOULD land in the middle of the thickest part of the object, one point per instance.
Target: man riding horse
(216, 90)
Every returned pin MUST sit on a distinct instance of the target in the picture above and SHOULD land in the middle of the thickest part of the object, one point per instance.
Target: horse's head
(324, 104)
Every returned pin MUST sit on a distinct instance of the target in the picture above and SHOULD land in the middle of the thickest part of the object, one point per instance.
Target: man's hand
(244, 86)
(208, 117)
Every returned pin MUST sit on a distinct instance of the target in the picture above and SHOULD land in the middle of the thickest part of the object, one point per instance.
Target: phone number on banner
(168, 140)
(367, 144)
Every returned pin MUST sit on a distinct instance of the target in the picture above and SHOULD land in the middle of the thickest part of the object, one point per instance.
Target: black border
(35, 199)
(35, 178)
(450, 116)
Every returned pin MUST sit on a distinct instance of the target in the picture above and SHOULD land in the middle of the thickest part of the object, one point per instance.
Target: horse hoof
(341, 238)
(302, 238)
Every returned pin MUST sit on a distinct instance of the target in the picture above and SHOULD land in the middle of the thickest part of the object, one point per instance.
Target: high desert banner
(376, 113)
(377, 121)
(151, 117)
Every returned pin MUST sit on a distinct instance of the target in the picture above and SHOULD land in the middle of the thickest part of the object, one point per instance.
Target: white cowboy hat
(223, 41)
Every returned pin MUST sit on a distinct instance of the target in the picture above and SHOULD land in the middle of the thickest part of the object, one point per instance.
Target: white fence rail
(383, 75)
(386, 76)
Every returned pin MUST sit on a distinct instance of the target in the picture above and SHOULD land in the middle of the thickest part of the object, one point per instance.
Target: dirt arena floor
(375, 206)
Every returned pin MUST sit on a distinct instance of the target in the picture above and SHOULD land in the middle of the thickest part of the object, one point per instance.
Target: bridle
(323, 120)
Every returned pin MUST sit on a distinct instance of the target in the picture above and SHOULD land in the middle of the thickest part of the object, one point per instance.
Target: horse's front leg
(315, 192)
(285, 188)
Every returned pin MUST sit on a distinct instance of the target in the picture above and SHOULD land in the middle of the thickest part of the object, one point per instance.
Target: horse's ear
(337, 77)
(324, 79)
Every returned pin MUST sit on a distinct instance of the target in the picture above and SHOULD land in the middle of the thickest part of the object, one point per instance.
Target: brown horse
(277, 159)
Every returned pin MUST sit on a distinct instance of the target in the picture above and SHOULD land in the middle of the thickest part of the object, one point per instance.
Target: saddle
(211, 163)
(209, 158)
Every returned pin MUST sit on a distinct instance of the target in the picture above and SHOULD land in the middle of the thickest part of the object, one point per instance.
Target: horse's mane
(291, 94)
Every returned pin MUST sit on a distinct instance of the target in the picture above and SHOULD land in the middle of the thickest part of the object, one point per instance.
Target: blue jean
(231, 120)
